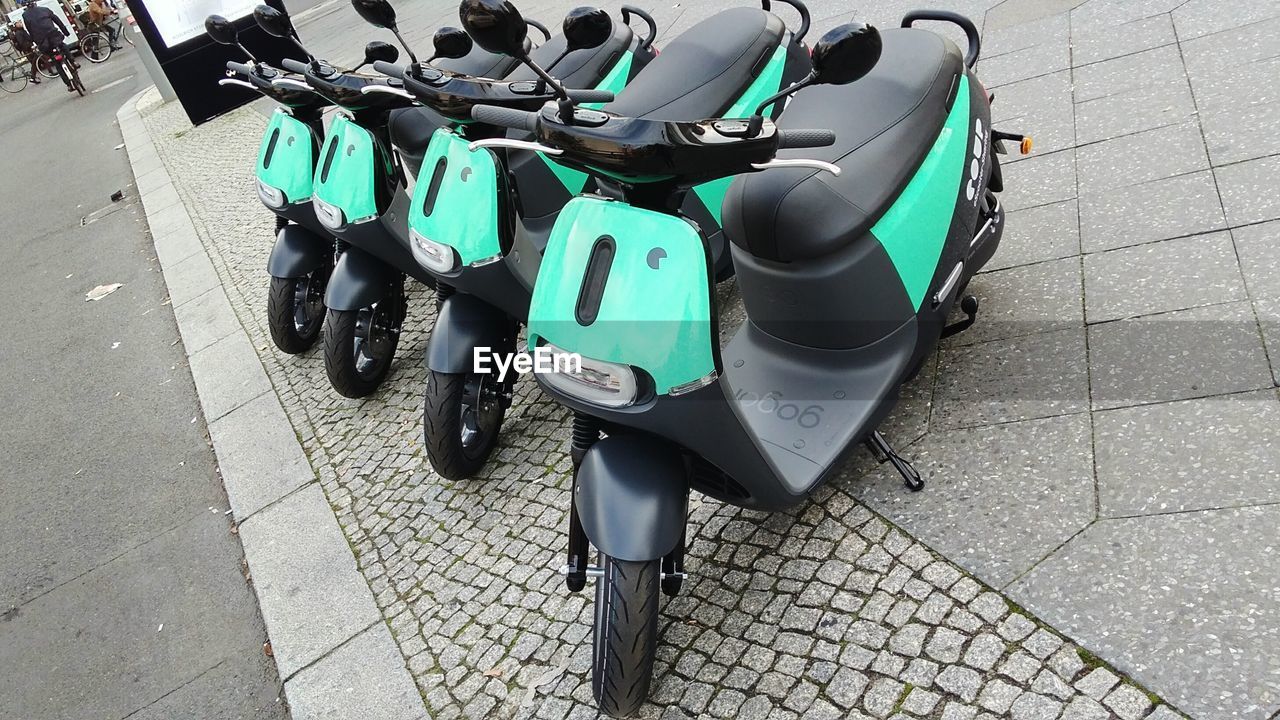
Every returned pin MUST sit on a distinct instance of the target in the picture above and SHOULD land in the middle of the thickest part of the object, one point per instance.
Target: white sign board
(180, 20)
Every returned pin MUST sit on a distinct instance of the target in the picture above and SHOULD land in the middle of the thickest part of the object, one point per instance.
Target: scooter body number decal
(349, 182)
(658, 320)
(285, 159)
(463, 213)
(914, 230)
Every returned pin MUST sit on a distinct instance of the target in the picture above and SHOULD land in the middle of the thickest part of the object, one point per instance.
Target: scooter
(304, 253)
(459, 223)
(479, 219)
(849, 258)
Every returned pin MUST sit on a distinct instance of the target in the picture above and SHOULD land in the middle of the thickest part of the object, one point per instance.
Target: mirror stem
(560, 91)
(245, 50)
(412, 58)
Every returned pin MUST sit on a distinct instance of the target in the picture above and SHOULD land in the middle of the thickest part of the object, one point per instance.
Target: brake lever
(387, 89)
(290, 84)
(799, 163)
(236, 81)
(515, 145)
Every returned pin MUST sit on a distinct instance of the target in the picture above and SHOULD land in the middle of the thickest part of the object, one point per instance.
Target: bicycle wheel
(95, 47)
(46, 67)
(76, 82)
(13, 78)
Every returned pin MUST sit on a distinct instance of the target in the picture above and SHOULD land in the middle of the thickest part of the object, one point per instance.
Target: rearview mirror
(380, 51)
(273, 21)
(378, 13)
(495, 25)
(221, 30)
(450, 42)
(846, 53)
(587, 27)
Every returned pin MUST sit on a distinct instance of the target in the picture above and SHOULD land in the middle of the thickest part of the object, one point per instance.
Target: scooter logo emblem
(656, 256)
(975, 165)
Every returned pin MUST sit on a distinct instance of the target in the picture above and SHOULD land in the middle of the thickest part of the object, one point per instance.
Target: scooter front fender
(632, 496)
(358, 281)
(297, 252)
(464, 323)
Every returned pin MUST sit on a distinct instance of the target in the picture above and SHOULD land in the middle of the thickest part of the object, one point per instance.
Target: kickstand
(969, 304)
(882, 451)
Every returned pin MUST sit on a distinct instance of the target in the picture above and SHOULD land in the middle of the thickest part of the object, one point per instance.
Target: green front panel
(464, 215)
(656, 319)
(347, 175)
(914, 230)
(285, 160)
(766, 85)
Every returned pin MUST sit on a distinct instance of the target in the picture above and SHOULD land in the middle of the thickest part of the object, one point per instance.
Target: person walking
(25, 46)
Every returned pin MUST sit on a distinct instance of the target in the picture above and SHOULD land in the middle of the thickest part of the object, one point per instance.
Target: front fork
(586, 432)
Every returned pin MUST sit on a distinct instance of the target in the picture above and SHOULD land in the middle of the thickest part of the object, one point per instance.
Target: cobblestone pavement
(830, 610)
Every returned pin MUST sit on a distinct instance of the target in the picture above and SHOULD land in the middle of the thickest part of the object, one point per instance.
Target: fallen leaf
(493, 672)
(102, 291)
(266, 649)
(545, 678)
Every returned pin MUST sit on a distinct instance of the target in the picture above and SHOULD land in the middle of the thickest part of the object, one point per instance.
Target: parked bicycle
(14, 73)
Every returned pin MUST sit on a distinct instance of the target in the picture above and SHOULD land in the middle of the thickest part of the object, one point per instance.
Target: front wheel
(360, 344)
(462, 414)
(295, 310)
(625, 634)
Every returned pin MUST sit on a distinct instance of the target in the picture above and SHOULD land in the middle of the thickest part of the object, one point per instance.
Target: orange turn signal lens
(1025, 147)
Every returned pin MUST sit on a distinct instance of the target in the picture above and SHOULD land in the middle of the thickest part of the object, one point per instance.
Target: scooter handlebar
(240, 68)
(505, 117)
(293, 66)
(590, 96)
(805, 138)
(389, 69)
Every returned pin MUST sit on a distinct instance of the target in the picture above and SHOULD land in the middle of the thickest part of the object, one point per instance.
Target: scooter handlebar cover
(505, 117)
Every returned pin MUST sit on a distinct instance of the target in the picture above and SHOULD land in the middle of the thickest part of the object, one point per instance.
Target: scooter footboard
(632, 497)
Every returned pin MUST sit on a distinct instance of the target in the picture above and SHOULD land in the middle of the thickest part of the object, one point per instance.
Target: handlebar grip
(389, 69)
(293, 66)
(240, 68)
(590, 96)
(805, 138)
(505, 117)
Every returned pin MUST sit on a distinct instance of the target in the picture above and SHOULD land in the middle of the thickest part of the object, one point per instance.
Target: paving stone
(1130, 575)
(1238, 87)
(1020, 666)
(1039, 180)
(1190, 353)
(1094, 45)
(1159, 66)
(1197, 18)
(1020, 378)
(1025, 300)
(228, 375)
(1084, 708)
(958, 711)
(846, 687)
(1047, 232)
(1134, 159)
(1189, 455)
(1242, 133)
(1248, 190)
(1134, 110)
(920, 672)
(1261, 265)
(1040, 106)
(1016, 627)
(945, 645)
(1039, 59)
(1001, 39)
(1067, 663)
(960, 681)
(1042, 643)
(983, 651)
(1128, 702)
(258, 456)
(1158, 210)
(383, 688)
(998, 696)
(909, 640)
(1147, 279)
(1230, 48)
(881, 698)
(1047, 683)
(1002, 519)
(920, 701)
(1030, 706)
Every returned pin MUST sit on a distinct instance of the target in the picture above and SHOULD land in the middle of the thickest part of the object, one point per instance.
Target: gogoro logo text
(975, 165)
(771, 403)
(485, 361)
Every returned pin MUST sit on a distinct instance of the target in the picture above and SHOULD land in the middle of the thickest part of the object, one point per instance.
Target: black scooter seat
(412, 128)
(703, 71)
(885, 124)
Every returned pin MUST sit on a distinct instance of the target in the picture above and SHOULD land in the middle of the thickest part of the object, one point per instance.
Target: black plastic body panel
(464, 323)
(298, 251)
(632, 496)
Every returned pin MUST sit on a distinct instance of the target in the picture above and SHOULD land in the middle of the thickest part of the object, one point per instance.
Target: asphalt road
(121, 590)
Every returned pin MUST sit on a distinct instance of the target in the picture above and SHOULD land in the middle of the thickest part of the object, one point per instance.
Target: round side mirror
(495, 25)
(273, 21)
(450, 42)
(378, 50)
(587, 27)
(846, 53)
(378, 13)
(221, 30)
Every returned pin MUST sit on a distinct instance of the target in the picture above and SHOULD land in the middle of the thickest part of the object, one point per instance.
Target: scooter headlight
(328, 215)
(432, 255)
(271, 197)
(595, 381)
